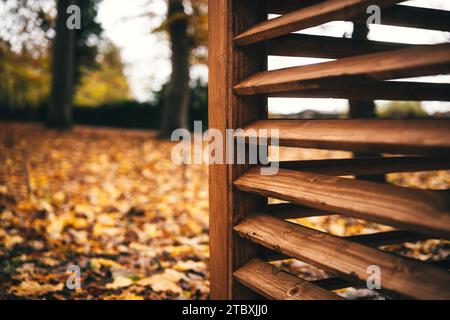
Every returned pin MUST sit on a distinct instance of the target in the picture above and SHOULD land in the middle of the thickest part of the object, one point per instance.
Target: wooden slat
(414, 137)
(263, 278)
(305, 45)
(308, 17)
(350, 260)
(397, 15)
(368, 166)
(414, 209)
(375, 90)
(395, 64)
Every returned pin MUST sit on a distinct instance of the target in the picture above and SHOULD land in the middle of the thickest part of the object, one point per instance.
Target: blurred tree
(59, 114)
(28, 27)
(177, 91)
(363, 109)
(186, 24)
(87, 40)
(96, 85)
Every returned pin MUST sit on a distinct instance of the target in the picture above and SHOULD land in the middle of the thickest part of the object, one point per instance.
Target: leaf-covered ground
(112, 203)
(108, 201)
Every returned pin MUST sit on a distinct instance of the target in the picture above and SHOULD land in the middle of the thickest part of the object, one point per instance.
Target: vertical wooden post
(228, 65)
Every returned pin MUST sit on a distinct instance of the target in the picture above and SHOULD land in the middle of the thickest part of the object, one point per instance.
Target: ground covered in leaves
(111, 203)
(108, 201)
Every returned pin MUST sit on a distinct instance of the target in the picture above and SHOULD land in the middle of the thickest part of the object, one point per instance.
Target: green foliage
(24, 80)
(106, 84)
(401, 110)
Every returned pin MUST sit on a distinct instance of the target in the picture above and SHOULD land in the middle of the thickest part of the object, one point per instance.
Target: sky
(147, 55)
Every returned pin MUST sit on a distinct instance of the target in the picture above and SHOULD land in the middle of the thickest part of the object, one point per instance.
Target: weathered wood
(415, 137)
(368, 166)
(219, 210)
(419, 210)
(274, 284)
(305, 45)
(375, 90)
(308, 17)
(400, 63)
(228, 66)
(397, 15)
(348, 259)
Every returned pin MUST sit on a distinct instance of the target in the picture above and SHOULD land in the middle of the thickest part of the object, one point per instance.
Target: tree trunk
(60, 109)
(363, 109)
(176, 96)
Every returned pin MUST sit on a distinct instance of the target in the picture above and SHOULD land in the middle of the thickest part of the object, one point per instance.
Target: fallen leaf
(166, 281)
(119, 282)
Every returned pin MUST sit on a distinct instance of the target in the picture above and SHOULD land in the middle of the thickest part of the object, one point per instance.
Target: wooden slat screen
(246, 233)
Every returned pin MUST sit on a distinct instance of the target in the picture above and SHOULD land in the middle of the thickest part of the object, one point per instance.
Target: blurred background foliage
(101, 93)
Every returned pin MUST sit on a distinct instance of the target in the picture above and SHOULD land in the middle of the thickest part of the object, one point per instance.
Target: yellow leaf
(162, 282)
(190, 265)
(119, 282)
(97, 263)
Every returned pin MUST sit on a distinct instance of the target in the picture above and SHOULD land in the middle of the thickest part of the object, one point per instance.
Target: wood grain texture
(228, 66)
(368, 166)
(350, 260)
(273, 284)
(306, 18)
(395, 64)
(414, 209)
(219, 211)
(414, 137)
(396, 15)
